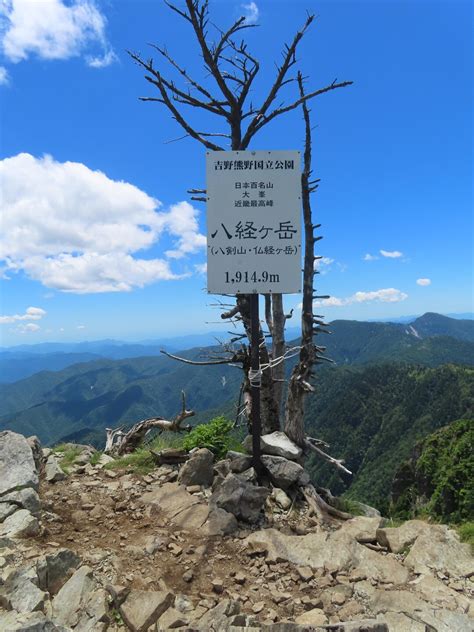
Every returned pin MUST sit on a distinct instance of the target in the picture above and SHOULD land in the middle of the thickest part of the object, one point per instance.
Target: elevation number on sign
(254, 277)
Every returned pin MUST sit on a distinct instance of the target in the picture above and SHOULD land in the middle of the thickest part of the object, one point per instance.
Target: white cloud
(387, 295)
(32, 313)
(423, 282)
(4, 78)
(369, 257)
(201, 268)
(251, 12)
(53, 29)
(76, 230)
(391, 254)
(81, 327)
(25, 329)
(323, 265)
(181, 219)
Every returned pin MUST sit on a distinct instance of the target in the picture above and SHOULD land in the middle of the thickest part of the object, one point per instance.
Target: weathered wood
(170, 456)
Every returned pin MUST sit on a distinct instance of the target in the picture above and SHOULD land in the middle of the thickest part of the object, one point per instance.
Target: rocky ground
(202, 547)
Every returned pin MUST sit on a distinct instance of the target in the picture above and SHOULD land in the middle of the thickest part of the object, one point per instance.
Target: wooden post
(255, 381)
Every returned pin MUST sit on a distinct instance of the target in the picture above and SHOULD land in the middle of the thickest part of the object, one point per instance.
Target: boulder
(70, 600)
(362, 529)
(21, 593)
(396, 539)
(142, 609)
(281, 498)
(217, 619)
(173, 503)
(53, 471)
(198, 469)
(312, 617)
(240, 498)
(31, 622)
(37, 451)
(277, 444)
(220, 522)
(17, 464)
(171, 619)
(284, 473)
(238, 462)
(20, 524)
(438, 548)
(55, 569)
(104, 459)
(26, 498)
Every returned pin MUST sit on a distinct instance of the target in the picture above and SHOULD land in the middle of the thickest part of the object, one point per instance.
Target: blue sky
(99, 237)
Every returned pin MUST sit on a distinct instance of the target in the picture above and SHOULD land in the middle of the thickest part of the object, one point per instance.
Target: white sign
(253, 222)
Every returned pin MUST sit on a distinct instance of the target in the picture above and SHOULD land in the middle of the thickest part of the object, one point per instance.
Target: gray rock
(316, 616)
(172, 619)
(31, 622)
(220, 522)
(198, 469)
(17, 465)
(281, 498)
(53, 471)
(26, 498)
(238, 462)
(93, 616)
(278, 444)
(217, 619)
(55, 569)
(104, 459)
(20, 592)
(37, 451)
(240, 498)
(367, 510)
(396, 539)
(142, 608)
(438, 548)
(6, 509)
(72, 596)
(20, 524)
(284, 473)
(362, 528)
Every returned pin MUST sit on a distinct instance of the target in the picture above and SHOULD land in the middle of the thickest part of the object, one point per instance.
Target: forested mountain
(374, 416)
(350, 342)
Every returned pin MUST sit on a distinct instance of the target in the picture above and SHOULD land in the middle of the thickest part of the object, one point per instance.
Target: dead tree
(232, 70)
(119, 442)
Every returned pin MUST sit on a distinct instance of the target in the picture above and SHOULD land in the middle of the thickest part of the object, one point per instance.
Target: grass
(141, 461)
(69, 455)
(95, 458)
(466, 533)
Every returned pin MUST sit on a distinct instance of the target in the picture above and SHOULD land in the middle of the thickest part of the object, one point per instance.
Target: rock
(55, 569)
(396, 539)
(313, 617)
(75, 592)
(26, 498)
(216, 619)
(217, 586)
(198, 469)
(438, 548)
(305, 572)
(31, 622)
(249, 475)
(431, 589)
(17, 464)
(281, 498)
(20, 524)
(238, 462)
(6, 509)
(20, 592)
(36, 450)
(240, 498)
(174, 504)
(335, 552)
(53, 471)
(142, 608)
(362, 529)
(402, 623)
(94, 614)
(220, 522)
(284, 473)
(430, 614)
(104, 460)
(277, 444)
(171, 619)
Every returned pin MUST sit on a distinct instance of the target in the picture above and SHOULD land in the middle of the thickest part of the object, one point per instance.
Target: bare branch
(203, 363)
(338, 463)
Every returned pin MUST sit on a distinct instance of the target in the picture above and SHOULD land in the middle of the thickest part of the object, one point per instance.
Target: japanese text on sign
(254, 222)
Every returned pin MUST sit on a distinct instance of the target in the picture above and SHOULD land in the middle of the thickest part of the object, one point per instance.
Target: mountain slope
(372, 417)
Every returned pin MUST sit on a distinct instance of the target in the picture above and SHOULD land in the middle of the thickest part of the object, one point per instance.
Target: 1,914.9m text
(254, 277)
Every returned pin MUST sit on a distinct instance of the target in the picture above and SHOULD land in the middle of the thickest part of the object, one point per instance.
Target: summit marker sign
(253, 222)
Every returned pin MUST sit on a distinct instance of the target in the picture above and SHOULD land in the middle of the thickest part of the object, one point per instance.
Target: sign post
(254, 238)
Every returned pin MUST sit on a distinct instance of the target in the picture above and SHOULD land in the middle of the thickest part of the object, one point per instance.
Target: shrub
(217, 435)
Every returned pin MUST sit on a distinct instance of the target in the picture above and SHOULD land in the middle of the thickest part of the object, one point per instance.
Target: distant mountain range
(87, 397)
(351, 341)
